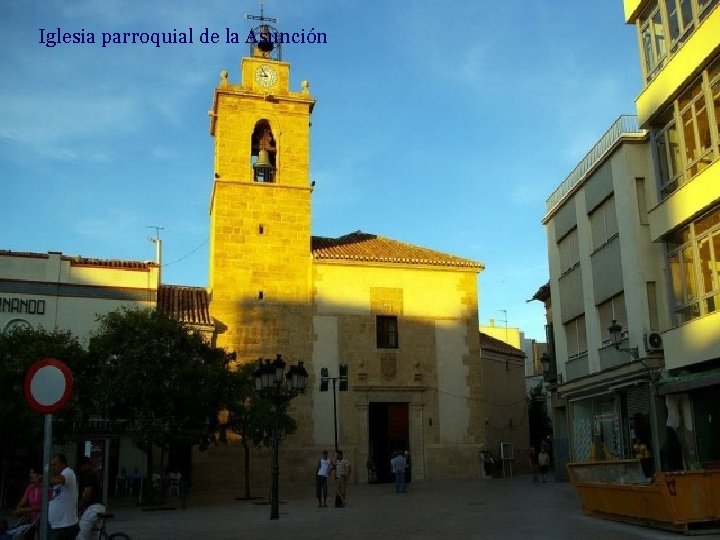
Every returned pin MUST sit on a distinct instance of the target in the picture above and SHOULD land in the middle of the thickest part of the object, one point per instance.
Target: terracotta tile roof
(360, 246)
(489, 343)
(542, 294)
(187, 304)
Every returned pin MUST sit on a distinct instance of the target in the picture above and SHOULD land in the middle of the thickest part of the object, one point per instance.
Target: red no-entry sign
(48, 385)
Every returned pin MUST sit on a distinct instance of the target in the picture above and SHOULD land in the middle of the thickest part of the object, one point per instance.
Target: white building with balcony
(680, 106)
(605, 270)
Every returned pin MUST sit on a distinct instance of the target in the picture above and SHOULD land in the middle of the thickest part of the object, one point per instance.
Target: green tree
(252, 416)
(162, 381)
(21, 426)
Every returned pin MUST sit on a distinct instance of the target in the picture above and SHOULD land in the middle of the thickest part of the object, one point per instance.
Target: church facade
(404, 319)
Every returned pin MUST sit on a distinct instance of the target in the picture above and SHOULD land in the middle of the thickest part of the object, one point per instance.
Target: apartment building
(605, 272)
(679, 43)
(634, 251)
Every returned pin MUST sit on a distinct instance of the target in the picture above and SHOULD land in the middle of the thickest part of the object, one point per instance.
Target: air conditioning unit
(653, 342)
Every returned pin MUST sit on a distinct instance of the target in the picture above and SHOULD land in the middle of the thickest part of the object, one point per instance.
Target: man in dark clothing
(90, 499)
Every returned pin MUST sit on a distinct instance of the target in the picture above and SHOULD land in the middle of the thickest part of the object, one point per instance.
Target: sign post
(48, 388)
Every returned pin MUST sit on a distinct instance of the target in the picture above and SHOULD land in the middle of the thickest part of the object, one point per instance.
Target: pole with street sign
(48, 388)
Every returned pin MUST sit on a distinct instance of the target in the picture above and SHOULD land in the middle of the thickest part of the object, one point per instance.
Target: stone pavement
(506, 508)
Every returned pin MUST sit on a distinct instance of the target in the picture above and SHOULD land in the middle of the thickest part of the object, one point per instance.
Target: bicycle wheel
(119, 536)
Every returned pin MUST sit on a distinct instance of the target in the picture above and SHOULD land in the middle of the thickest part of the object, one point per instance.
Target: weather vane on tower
(264, 44)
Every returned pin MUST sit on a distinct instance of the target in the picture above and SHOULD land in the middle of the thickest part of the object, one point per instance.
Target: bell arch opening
(263, 152)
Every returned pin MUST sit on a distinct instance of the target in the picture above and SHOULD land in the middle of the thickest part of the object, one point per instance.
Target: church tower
(260, 260)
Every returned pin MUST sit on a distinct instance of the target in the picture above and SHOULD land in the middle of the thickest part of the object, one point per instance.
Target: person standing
(642, 453)
(342, 473)
(397, 465)
(62, 509)
(90, 499)
(31, 502)
(321, 477)
(408, 471)
(135, 482)
(534, 465)
(544, 463)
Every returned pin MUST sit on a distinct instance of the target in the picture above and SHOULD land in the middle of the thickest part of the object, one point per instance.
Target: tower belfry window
(263, 152)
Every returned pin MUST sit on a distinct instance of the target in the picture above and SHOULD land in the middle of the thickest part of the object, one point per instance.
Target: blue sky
(443, 124)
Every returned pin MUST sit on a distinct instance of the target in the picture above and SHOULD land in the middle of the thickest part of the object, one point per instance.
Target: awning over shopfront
(688, 381)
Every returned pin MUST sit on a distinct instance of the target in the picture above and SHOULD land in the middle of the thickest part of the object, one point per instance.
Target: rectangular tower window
(387, 332)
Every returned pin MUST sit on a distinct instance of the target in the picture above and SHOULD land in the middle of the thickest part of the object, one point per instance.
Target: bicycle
(102, 532)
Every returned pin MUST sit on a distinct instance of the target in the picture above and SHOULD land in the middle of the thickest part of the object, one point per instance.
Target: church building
(404, 319)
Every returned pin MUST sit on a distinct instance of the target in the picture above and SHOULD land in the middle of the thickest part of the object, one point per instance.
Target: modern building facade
(643, 251)
(679, 105)
(604, 269)
(52, 290)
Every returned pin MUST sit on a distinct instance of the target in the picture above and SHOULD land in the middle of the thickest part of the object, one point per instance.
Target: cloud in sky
(58, 126)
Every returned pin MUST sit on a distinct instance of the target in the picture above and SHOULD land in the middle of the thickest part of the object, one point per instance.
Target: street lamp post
(343, 378)
(545, 361)
(616, 335)
(271, 381)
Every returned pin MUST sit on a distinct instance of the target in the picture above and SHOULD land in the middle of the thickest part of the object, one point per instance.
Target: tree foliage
(252, 416)
(21, 426)
(163, 382)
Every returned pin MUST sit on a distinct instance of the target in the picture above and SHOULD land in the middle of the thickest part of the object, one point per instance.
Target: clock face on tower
(266, 76)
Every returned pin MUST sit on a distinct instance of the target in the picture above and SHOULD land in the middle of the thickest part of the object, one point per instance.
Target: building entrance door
(388, 432)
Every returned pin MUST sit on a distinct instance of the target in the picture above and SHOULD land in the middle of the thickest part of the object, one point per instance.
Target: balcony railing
(625, 125)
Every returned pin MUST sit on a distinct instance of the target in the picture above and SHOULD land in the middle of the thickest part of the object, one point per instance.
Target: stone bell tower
(260, 260)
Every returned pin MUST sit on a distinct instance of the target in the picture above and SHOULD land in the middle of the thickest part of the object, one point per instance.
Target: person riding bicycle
(90, 499)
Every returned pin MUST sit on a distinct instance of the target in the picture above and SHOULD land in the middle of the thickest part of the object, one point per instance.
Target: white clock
(266, 76)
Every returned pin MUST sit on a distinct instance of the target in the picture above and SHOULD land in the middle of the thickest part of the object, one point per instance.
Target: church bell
(265, 44)
(263, 160)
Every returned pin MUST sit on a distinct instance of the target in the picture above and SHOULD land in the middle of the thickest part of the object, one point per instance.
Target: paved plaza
(499, 508)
